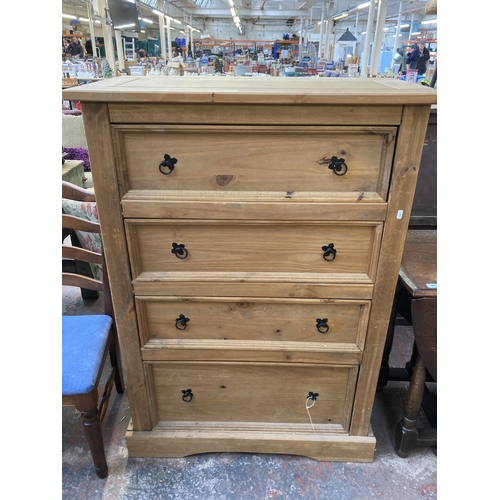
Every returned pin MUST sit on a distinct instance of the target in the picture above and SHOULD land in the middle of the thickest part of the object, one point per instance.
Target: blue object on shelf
(385, 61)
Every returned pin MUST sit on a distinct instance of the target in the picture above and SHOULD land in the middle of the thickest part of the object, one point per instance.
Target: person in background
(75, 48)
(413, 57)
(88, 47)
(423, 60)
(143, 58)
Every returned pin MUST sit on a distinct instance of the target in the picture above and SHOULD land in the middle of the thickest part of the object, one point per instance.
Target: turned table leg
(406, 429)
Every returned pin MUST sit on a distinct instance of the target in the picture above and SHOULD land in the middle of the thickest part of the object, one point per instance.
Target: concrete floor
(246, 476)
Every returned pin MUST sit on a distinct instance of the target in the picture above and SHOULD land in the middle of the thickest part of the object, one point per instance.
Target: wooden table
(416, 301)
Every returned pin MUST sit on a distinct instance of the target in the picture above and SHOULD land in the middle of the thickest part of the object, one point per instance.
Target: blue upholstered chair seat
(83, 345)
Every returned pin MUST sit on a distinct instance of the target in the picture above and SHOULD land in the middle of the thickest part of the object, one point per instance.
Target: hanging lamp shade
(347, 37)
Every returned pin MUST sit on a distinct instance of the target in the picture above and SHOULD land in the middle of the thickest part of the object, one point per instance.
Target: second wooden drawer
(287, 251)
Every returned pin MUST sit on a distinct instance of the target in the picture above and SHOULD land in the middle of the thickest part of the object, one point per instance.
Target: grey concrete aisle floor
(246, 476)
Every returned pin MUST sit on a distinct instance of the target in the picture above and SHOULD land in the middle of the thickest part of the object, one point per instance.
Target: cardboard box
(69, 82)
(178, 66)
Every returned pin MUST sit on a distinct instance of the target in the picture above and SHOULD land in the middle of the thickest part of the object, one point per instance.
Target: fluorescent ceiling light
(236, 19)
(429, 22)
(158, 13)
(364, 5)
(233, 13)
(177, 21)
(84, 19)
(68, 16)
(416, 33)
(231, 3)
(340, 16)
(124, 26)
(404, 26)
(146, 20)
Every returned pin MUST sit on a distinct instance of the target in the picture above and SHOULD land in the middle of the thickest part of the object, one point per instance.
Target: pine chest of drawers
(253, 229)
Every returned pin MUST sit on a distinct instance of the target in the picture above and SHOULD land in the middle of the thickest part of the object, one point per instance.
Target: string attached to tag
(311, 398)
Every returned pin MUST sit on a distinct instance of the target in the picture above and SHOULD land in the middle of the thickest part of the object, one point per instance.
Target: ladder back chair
(88, 340)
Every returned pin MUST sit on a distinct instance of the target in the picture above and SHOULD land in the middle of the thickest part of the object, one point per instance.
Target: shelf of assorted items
(231, 47)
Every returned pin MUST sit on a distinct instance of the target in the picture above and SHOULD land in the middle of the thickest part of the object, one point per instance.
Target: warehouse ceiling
(283, 12)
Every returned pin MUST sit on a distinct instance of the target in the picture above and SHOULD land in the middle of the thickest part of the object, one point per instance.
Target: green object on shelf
(107, 72)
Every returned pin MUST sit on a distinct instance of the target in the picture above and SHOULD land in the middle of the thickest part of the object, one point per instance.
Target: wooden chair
(87, 340)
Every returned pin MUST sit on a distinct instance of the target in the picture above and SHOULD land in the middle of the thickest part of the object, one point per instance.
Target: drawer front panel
(253, 392)
(348, 250)
(324, 321)
(256, 159)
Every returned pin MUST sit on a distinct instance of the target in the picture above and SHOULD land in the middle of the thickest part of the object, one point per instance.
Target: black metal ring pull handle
(313, 396)
(329, 253)
(338, 166)
(168, 162)
(322, 326)
(181, 322)
(187, 395)
(179, 250)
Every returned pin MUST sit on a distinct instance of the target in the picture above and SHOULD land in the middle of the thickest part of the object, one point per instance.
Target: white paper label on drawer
(432, 285)
(399, 215)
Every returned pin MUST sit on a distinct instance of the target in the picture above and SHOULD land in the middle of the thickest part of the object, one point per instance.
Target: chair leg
(86, 404)
(93, 431)
(115, 358)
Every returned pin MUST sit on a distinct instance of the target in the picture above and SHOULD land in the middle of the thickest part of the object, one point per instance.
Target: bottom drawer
(254, 392)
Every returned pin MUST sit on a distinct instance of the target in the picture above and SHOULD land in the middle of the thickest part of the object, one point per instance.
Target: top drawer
(349, 162)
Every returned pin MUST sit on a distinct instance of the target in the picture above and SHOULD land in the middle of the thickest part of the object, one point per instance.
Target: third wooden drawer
(325, 321)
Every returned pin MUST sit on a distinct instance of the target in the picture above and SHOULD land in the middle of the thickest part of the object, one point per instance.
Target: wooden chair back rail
(81, 254)
(70, 279)
(77, 193)
(72, 222)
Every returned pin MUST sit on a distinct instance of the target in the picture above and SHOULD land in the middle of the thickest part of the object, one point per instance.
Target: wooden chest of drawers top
(225, 90)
